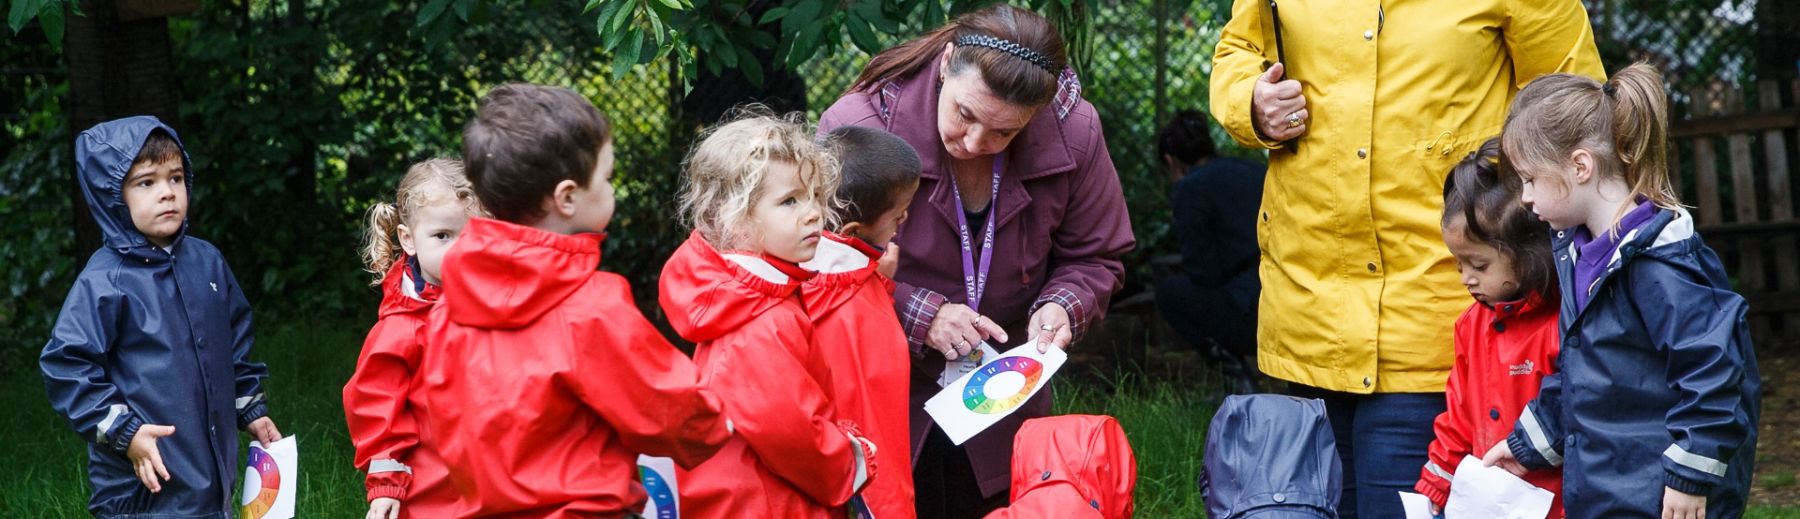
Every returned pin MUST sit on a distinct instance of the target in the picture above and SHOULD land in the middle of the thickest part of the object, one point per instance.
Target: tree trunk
(116, 69)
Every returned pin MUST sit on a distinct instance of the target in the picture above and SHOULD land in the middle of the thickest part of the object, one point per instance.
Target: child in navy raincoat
(150, 357)
(1653, 411)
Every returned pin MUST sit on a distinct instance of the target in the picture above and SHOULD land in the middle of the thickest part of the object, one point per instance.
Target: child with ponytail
(406, 243)
(1654, 408)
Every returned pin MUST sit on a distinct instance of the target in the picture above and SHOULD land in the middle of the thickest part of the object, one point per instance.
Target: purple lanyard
(975, 281)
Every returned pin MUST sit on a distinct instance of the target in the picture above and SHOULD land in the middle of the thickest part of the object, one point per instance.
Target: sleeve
(784, 414)
(1537, 438)
(1086, 251)
(74, 367)
(917, 306)
(382, 428)
(1452, 428)
(647, 390)
(1701, 330)
(251, 402)
(1548, 37)
(1237, 64)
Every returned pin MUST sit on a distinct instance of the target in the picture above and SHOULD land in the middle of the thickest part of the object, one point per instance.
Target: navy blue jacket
(1215, 208)
(147, 336)
(1656, 384)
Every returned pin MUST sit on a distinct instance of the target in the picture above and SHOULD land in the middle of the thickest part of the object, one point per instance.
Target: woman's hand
(1050, 326)
(383, 508)
(1682, 505)
(1277, 106)
(957, 329)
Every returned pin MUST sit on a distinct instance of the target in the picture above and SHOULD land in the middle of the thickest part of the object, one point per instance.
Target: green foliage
(35, 263)
(48, 13)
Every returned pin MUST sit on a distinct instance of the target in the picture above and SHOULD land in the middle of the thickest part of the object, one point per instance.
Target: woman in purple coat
(1017, 229)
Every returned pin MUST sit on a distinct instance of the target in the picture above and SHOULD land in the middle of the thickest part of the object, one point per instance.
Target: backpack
(1271, 457)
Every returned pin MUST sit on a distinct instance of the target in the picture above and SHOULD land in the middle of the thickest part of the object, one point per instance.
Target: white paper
(1493, 493)
(271, 478)
(658, 477)
(999, 387)
(955, 369)
(1417, 506)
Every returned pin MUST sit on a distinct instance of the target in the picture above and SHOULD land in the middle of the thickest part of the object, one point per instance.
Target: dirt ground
(1778, 447)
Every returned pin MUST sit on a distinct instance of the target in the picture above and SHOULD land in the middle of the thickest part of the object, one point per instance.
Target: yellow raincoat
(1359, 293)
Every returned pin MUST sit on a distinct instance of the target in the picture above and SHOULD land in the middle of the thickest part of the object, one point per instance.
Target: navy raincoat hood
(1656, 385)
(150, 335)
(1271, 457)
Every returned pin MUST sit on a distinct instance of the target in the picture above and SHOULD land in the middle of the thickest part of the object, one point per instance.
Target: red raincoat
(1071, 466)
(852, 310)
(791, 457)
(543, 382)
(1503, 353)
(379, 406)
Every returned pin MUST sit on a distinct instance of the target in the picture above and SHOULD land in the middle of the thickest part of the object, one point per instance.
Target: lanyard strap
(975, 281)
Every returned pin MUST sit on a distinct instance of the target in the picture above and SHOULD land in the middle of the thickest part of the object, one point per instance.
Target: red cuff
(391, 484)
(1432, 492)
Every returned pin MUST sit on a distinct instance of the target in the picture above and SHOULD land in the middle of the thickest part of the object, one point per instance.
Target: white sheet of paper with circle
(999, 387)
(271, 479)
(956, 368)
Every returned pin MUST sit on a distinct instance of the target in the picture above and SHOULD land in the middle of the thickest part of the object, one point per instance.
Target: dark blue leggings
(1382, 439)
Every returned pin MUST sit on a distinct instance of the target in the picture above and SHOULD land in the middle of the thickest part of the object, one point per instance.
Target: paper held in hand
(271, 479)
(984, 395)
(1493, 493)
(956, 368)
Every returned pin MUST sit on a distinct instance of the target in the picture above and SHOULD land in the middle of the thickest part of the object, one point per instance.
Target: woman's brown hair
(1485, 200)
(1011, 76)
(1623, 122)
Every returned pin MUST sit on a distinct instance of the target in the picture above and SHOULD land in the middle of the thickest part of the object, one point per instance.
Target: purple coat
(1060, 233)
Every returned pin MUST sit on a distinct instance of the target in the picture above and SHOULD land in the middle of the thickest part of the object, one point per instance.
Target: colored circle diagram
(262, 482)
(662, 498)
(1002, 373)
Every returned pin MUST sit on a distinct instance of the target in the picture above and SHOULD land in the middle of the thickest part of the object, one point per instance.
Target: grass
(309, 362)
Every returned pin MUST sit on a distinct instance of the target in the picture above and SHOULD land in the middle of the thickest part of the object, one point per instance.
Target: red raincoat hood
(503, 275)
(1087, 452)
(397, 299)
(707, 295)
(841, 262)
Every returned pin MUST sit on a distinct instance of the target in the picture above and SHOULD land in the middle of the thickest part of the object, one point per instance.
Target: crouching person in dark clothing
(1211, 302)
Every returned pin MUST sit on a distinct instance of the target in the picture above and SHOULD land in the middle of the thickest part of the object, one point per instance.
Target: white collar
(834, 256)
(761, 267)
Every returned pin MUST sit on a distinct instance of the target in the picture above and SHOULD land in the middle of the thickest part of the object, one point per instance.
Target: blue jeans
(1383, 440)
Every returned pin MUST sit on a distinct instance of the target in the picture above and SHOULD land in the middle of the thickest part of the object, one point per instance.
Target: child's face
(594, 203)
(785, 219)
(1558, 194)
(434, 226)
(156, 193)
(1486, 272)
(881, 231)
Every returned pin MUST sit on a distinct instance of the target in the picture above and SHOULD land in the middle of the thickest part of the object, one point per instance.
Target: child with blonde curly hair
(757, 195)
(405, 248)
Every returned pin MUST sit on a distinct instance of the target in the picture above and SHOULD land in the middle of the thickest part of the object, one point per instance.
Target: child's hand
(1682, 505)
(890, 261)
(1502, 456)
(146, 460)
(263, 429)
(383, 508)
(1437, 512)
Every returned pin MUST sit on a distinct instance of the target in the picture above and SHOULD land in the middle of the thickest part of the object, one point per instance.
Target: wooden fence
(1733, 161)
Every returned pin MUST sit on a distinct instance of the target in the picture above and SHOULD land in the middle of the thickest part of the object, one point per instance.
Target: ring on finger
(1293, 119)
(1046, 328)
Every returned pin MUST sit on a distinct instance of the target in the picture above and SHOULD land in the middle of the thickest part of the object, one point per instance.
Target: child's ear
(406, 239)
(562, 199)
(851, 229)
(1583, 162)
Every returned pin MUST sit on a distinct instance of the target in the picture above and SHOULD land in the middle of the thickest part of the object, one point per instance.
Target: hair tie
(1608, 88)
(1018, 51)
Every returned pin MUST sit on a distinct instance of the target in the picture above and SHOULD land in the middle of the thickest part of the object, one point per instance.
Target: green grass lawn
(309, 362)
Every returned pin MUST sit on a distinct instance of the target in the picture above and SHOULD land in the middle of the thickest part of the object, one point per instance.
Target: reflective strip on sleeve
(1539, 440)
(1694, 461)
(106, 424)
(380, 466)
(1433, 467)
(244, 402)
